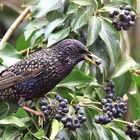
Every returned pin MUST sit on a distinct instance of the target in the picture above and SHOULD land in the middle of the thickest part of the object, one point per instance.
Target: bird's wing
(21, 71)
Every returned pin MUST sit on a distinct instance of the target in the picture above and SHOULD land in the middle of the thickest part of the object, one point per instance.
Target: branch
(14, 25)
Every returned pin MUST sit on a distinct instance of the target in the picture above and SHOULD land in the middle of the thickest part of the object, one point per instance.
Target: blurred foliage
(50, 22)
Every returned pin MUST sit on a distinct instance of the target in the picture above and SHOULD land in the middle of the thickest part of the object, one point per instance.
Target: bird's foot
(41, 116)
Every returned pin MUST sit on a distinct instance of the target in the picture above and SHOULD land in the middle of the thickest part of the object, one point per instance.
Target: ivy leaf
(4, 108)
(120, 81)
(73, 8)
(9, 55)
(39, 134)
(111, 39)
(22, 43)
(56, 37)
(52, 25)
(75, 78)
(55, 129)
(80, 20)
(126, 64)
(45, 6)
(94, 28)
(14, 121)
(11, 133)
(83, 2)
(134, 107)
(33, 26)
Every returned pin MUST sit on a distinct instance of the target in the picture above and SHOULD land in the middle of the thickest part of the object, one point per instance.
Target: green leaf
(102, 133)
(83, 2)
(15, 121)
(56, 37)
(126, 64)
(33, 26)
(52, 25)
(94, 28)
(75, 78)
(134, 107)
(38, 34)
(122, 84)
(4, 108)
(55, 129)
(120, 133)
(72, 8)
(80, 20)
(45, 6)
(39, 134)
(11, 133)
(30, 2)
(114, 4)
(111, 38)
(9, 54)
(22, 43)
(21, 113)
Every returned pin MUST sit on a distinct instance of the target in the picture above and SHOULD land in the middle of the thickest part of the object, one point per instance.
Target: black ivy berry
(46, 108)
(132, 131)
(60, 111)
(112, 107)
(123, 18)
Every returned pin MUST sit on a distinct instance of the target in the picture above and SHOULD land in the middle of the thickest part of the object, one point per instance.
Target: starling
(36, 75)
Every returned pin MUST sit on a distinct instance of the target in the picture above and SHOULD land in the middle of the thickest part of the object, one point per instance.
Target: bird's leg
(21, 103)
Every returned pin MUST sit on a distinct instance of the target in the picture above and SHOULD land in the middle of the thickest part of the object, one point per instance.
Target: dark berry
(127, 7)
(43, 107)
(76, 120)
(104, 101)
(122, 17)
(68, 124)
(65, 110)
(79, 117)
(111, 15)
(128, 18)
(49, 107)
(43, 102)
(121, 7)
(114, 22)
(133, 16)
(131, 23)
(65, 100)
(77, 107)
(69, 118)
(46, 112)
(64, 120)
(81, 113)
(83, 119)
(63, 104)
(98, 61)
(97, 119)
(126, 12)
(120, 24)
(129, 126)
(115, 12)
(58, 97)
(58, 116)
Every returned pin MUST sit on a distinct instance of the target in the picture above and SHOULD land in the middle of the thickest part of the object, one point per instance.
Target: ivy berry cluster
(60, 111)
(123, 18)
(111, 107)
(133, 130)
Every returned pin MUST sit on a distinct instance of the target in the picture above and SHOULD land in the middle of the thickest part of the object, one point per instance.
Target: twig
(14, 25)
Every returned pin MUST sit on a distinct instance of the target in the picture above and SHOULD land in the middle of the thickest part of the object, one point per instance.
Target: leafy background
(52, 21)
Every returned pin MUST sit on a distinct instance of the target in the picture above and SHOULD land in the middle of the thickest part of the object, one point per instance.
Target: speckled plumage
(36, 75)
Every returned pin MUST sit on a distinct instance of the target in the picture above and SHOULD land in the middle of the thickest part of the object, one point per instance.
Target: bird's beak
(89, 57)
